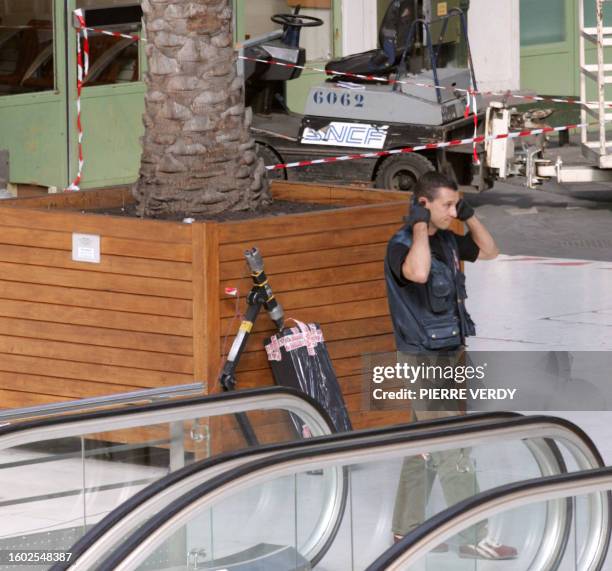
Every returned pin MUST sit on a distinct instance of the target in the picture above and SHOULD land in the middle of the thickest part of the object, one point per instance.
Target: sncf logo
(338, 134)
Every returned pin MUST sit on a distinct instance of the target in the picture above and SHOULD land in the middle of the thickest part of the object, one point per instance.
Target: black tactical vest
(430, 316)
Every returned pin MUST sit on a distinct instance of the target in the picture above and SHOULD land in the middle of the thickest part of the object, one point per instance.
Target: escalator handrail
(82, 405)
(269, 398)
(484, 505)
(99, 531)
(173, 516)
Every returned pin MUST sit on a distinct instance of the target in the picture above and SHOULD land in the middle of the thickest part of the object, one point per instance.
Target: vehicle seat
(392, 36)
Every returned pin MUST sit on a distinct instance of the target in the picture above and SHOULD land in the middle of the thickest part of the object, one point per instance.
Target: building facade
(38, 76)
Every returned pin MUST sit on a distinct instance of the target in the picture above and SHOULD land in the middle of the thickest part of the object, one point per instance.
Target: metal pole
(584, 135)
(601, 80)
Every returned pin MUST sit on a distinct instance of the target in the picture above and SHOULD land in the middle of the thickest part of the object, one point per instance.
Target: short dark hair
(429, 184)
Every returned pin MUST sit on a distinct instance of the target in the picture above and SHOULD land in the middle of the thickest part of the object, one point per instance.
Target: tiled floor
(525, 303)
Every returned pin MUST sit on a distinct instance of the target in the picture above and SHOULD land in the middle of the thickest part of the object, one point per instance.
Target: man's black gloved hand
(464, 210)
(418, 213)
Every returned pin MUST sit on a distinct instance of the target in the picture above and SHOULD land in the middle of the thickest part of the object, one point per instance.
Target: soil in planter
(277, 208)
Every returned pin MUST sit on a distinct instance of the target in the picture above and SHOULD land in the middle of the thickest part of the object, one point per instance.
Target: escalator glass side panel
(55, 489)
(557, 522)
(347, 502)
(294, 511)
(515, 540)
(127, 517)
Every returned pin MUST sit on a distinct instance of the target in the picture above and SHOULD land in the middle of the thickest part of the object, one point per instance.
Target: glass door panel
(32, 92)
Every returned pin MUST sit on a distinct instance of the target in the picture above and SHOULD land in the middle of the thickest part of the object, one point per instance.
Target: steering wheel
(297, 21)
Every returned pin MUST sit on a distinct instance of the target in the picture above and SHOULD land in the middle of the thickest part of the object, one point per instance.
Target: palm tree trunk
(198, 156)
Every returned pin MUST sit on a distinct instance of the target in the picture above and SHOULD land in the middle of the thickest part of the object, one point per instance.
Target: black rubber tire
(401, 172)
(271, 157)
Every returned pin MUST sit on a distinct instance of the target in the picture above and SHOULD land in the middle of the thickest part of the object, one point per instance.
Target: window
(590, 13)
(542, 22)
(26, 46)
(317, 41)
(113, 60)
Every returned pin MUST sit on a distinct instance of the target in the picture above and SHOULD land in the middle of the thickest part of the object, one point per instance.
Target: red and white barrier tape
(430, 146)
(472, 104)
(115, 34)
(375, 77)
(82, 71)
(420, 84)
(83, 68)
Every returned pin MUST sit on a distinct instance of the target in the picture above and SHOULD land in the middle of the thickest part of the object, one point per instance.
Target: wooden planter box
(154, 311)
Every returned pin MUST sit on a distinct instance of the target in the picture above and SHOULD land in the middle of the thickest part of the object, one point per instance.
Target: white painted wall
(359, 32)
(494, 28)
(494, 35)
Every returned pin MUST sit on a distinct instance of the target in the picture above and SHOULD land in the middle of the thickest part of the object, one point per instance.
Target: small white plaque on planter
(86, 248)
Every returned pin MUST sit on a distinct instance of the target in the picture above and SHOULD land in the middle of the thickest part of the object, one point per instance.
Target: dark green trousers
(457, 476)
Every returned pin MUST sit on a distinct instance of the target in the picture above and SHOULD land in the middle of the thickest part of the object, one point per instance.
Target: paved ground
(554, 281)
(573, 222)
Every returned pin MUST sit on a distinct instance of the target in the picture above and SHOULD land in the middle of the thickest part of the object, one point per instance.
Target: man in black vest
(426, 292)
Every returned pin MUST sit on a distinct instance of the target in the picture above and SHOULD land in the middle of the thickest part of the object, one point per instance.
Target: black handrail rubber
(311, 451)
(110, 520)
(460, 508)
(162, 406)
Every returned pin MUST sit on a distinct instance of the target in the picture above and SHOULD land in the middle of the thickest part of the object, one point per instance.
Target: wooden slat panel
(83, 200)
(137, 305)
(96, 281)
(332, 258)
(323, 314)
(146, 248)
(232, 438)
(65, 388)
(354, 384)
(312, 242)
(96, 336)
(18, 399)
(96, 317)
(118, 227)
(199, 302)
(376, 419)
(254, 379)
(147, 434)
(91, 372)
(298, 281)
(30, 252)
(96, 354)
(324, 194)
(309, 223)
(44, 293)
(213, 308)
(316, 296)
(355, 403)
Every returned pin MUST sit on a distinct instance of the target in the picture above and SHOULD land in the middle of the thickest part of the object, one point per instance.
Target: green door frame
(112, 123)
(552, 68)
(33, 126)
(112, 114)
(39, 129)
